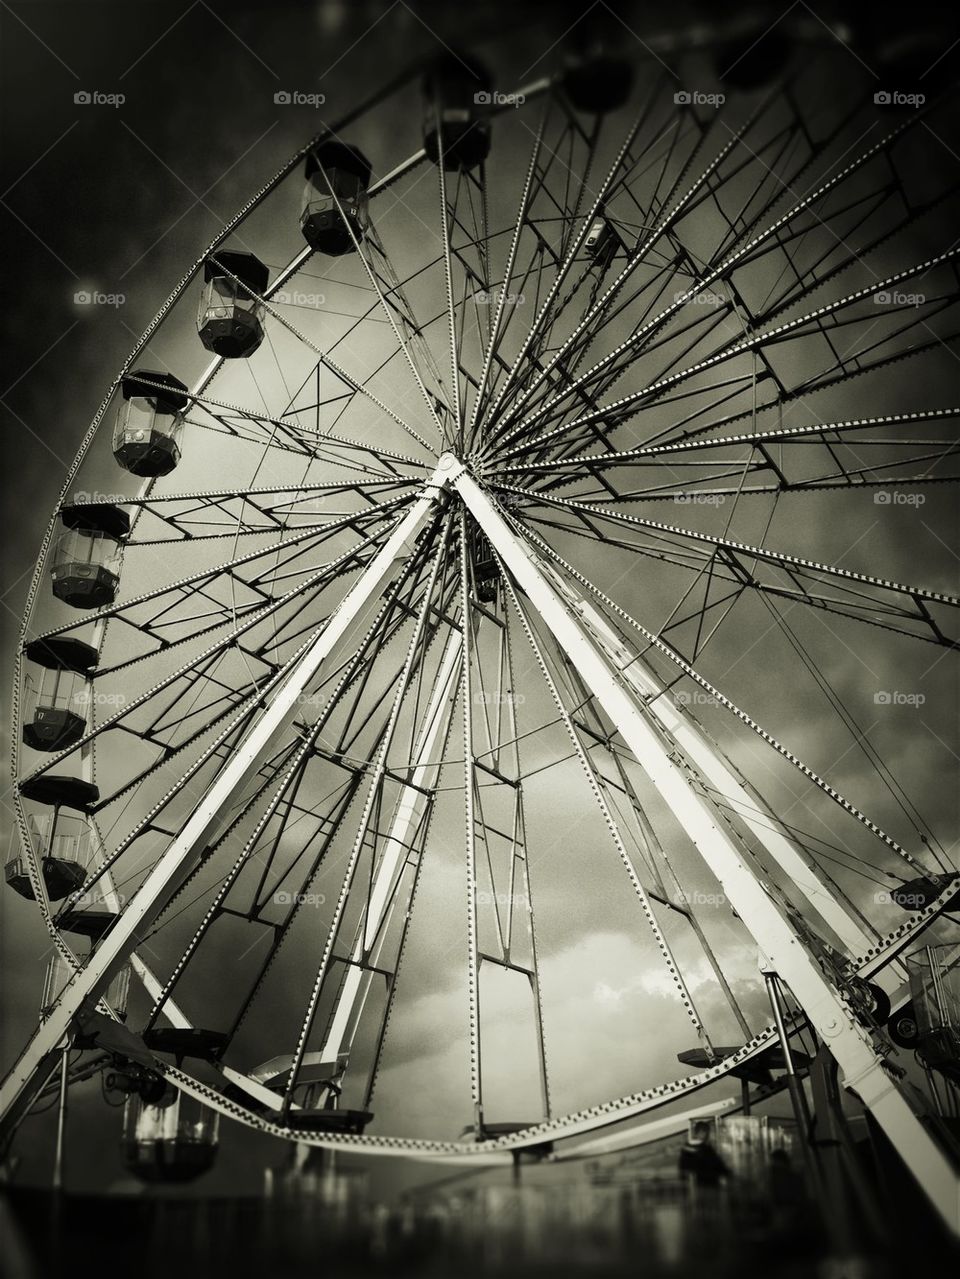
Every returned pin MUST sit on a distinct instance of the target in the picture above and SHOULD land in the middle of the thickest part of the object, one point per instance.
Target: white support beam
(864, 1069)
(168, 872)
(177, 1017)
(406, 818)
(704, 754)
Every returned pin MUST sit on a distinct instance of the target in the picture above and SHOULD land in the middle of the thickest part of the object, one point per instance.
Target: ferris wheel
(437, 581)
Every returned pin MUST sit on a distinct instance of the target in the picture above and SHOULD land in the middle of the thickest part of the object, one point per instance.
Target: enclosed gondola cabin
(486, 571)
(54, 711)
(602, 241)
(146, 437)
(596, 76)
(59, 973)
(457, 93)
(91, 921)
(172, 1141)
(331, 1119)
(230, 318)
(596, 80)
(335, 202)
(61, 845)
(56, 696)
(86, 561)
(935, 1003)
(753, 61)
(61, 791)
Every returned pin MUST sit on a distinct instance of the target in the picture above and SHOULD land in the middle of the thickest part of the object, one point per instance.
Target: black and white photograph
(479, 646)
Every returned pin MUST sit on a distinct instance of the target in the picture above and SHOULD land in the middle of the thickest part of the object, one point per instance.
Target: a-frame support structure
(863, 1067)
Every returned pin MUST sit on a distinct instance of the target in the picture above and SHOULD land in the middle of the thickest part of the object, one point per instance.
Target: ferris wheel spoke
(244, 705)
(534, 222)
(445, 219)
(494, 336)
(372, 802)
(501, 929)
(508, 762)
(668, 890)
(844, 368)
(402, 849)
(470, 831)
(413, 328)
(820, 271)
(713, 274)
(221, 750)
(652, 641)
(545, 309)
(586, 764)
(704, 486)
(738, 387)
(282, 809)
(573, 347)
(322, 445)
(263, 780)
(164, 626)
(324, 357)
(395, 307)
(814, 435)
(392, 615)
(805, 325)
(395, 880)
(691, 428)
(854, 594)
(766, 313)
(286, 505)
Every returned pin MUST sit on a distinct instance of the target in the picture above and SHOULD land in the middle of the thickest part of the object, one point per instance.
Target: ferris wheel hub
(449, 468)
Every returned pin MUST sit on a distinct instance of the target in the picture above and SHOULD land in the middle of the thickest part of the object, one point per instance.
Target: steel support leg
(864, 1068)
(406, 819)
(166, 874)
